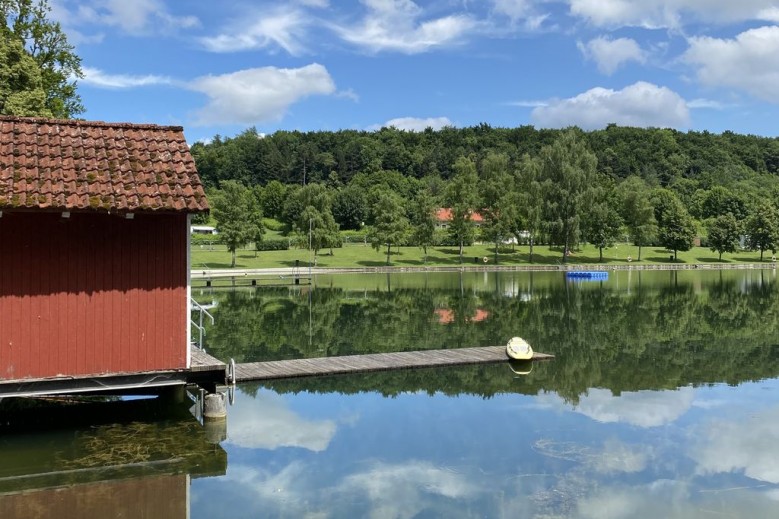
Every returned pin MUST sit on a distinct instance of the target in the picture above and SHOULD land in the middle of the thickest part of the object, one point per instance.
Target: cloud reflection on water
(639, 408)
(266, 422)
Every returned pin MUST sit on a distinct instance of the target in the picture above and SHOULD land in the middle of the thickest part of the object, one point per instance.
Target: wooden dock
(202, 361)
(372, 362)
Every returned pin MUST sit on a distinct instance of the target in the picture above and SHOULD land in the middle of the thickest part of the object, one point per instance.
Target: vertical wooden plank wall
(91, 294)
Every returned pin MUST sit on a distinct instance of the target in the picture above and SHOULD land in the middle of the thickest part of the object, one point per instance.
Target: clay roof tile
(73, 165)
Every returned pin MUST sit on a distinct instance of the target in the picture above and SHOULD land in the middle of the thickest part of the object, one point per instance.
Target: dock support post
(215, 416)
(215, 406)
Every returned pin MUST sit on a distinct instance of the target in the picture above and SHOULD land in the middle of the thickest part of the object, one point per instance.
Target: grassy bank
(359, 255)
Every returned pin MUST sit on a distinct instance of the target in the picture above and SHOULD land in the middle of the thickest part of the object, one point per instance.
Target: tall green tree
(310, 210)
(28, 22)
(232, 215)
(677, 229)
(390, 225)
(637, 212)
(273, 195)
(256, 224)
(21, 82)
(495, 188)
(423, 221)
(567, 170)
(724, 234)
(462, 197)
(316, 229)
(602, 223)
(529, 202)
(761, 228)
(350, 207)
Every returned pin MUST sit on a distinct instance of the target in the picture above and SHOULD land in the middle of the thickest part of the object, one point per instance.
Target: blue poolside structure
(594, 275)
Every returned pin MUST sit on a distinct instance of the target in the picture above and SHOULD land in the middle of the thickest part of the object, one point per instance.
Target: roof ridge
(93, 124)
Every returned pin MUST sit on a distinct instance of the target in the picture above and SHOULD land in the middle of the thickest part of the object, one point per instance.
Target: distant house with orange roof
(443, 217)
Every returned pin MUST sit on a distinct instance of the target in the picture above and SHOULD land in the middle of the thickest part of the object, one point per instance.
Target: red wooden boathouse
(94, 232)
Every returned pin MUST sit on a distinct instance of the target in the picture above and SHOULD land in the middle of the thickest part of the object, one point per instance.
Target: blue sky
(221, 67)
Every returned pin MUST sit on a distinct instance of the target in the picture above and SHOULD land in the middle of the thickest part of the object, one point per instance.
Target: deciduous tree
(494, 188)
(21, 82)
(27, 21)
(390, 225)
(567, 170)
(724, 234)
(256, 224)
(463, 199)
(677, 230)
(423, 221)
(761, 228)
(601, 219)
(231, 211)
(637, 212)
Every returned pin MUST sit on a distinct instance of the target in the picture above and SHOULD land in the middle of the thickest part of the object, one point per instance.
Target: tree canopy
(522, 185)
(25, 23)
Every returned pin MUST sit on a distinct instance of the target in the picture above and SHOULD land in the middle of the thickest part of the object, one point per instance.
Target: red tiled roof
(84, 165)
(445, 215)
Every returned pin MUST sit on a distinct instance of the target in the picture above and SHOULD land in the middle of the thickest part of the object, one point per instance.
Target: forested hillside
(559, 187)
(660, 156)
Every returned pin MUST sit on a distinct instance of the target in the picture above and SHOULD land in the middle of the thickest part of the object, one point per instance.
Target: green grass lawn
(359, 255)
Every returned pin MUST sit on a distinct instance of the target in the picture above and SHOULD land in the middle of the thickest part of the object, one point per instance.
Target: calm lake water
(663, 401)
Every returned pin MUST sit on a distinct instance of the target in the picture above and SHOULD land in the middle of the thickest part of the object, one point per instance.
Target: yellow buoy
(518, 348)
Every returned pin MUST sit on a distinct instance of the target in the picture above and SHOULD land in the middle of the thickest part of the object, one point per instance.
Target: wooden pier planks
(202, 361)
(372, 362)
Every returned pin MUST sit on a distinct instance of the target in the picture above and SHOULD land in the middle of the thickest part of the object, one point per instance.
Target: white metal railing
(201, 329)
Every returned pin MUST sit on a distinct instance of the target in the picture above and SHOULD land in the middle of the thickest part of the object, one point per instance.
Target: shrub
(267, 245)
(274, 225)
(203, 239)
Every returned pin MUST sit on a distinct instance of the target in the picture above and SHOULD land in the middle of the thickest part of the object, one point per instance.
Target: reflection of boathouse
(135, 469)
(94, 229)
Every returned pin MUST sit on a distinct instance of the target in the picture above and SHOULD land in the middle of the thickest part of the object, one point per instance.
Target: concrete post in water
(215, 407)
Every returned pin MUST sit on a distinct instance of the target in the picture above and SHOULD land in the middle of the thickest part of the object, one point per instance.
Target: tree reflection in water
(639, 330)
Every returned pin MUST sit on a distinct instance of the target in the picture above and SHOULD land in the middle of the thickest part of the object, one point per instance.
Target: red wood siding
(91, 294)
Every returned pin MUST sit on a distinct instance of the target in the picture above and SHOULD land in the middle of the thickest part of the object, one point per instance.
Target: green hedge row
(265, 245)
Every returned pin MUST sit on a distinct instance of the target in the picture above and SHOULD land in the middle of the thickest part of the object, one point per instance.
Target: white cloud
(259, 94)
(609, 54)
(520, 10)
(750, 445)
(641, 104)
(708, 104)
(750, 62)
(100, 79)
(528, 103)
(314, 3)
(404, 490)
(283, 27)
(415, 124)
(514, 9)
(641, 408)
(397, 25)
(670, 13)
(265, 422)
(135, 17)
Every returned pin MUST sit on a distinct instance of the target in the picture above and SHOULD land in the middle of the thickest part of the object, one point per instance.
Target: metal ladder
(199, 323)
